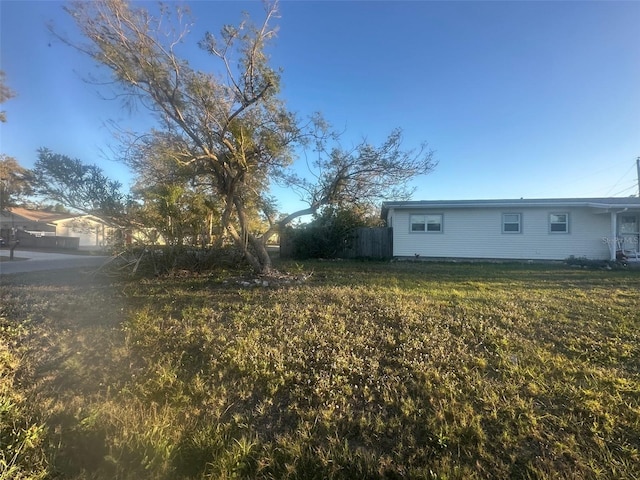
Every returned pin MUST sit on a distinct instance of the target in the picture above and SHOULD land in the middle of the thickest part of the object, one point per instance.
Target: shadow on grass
(367, 370)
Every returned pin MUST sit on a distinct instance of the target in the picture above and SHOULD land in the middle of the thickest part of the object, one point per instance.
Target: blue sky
(518, 99)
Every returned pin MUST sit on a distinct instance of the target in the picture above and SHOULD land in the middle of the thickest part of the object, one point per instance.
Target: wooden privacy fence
(366, 243)
(370, 243)
(32, 241)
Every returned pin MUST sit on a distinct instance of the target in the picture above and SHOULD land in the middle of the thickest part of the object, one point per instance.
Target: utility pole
(638, 177)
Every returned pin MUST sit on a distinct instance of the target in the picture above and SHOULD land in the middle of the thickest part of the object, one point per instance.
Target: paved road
(37, 261)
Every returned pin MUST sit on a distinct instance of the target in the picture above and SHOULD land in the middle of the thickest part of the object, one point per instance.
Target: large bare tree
(360, 177)
(228, 125)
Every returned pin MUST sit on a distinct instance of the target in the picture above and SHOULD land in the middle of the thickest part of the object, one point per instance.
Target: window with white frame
(426, 223)
(559, 223)
(511, 223)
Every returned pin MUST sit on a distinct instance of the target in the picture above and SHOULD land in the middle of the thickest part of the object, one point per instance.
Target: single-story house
(535, 229)
(92, 231)
(37, 222)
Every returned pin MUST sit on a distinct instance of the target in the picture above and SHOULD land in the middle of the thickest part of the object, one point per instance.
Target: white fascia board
(598, 204)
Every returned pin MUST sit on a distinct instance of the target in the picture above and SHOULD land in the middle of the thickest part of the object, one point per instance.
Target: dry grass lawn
(366, 370)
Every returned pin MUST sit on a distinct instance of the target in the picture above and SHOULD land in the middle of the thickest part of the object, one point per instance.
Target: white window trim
(567, 223)
(411, 223)
(426, 223)
(511, 232)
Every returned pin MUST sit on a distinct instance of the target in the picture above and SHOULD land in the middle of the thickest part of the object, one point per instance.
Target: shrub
(589, 263)
(331, 232)
(163, 260)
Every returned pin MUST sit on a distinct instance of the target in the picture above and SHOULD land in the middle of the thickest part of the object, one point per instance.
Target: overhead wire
(633, 164)
(633, 187)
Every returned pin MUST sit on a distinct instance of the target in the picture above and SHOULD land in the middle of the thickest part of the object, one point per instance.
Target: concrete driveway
(33, 261)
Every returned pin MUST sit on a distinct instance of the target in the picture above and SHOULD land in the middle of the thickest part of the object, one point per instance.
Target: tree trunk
(257, 256)
(253, 248)
(262, 255)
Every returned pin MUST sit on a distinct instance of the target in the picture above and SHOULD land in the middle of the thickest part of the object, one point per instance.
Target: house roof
(604, 204)
(90, 218)
(38, 215)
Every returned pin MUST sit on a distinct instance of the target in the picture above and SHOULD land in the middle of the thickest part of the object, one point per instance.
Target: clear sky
(518, 99)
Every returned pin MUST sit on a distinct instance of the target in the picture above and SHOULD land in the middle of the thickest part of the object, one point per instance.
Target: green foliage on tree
(15, 182)
(5, 94)
(180, 215)
(168, 203)
(331, 232)
(76, 185)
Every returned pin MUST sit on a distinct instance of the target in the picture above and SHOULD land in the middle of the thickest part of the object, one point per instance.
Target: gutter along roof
(604, 204)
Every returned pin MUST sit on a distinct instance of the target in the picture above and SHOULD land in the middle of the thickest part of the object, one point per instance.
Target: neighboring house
(36, 222)
(538, 229)
(91, 230)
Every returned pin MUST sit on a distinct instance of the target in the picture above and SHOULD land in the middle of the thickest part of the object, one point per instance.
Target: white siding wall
(91, 233)
(477, 233)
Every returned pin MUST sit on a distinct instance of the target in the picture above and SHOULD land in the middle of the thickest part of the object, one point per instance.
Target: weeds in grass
(368, 370)
(22, 455)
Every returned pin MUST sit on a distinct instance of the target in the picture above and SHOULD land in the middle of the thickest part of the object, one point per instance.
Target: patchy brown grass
(367, 370)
